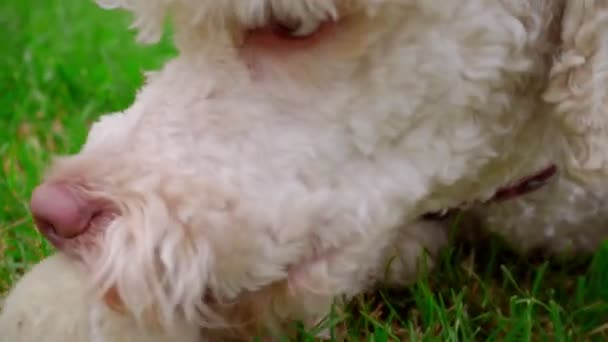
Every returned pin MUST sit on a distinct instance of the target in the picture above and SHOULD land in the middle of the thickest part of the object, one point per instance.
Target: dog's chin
(250, 314)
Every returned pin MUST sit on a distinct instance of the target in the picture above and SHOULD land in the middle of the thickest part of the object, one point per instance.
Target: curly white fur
(254, 180)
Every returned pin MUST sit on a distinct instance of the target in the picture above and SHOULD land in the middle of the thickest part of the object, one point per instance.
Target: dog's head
(283, 130)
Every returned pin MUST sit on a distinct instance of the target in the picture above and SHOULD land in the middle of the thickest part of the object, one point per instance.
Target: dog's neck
(532, 158)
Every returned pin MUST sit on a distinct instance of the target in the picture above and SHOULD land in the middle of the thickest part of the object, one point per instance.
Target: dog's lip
(52, 236)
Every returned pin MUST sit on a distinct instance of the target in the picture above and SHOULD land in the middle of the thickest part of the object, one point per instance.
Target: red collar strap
(523, 186)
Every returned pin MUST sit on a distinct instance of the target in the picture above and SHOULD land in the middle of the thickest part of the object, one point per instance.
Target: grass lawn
(63, 62)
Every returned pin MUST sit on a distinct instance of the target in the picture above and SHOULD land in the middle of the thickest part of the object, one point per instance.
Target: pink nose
(59, 212)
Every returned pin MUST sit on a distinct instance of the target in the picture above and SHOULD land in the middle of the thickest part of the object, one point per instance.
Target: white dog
(50, 307)
(279, 161)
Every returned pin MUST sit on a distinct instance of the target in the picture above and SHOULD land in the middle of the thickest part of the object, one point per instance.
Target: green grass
(64, 62)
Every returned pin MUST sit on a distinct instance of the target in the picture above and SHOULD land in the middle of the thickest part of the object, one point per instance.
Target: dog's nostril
(59, 212)
(45, 227)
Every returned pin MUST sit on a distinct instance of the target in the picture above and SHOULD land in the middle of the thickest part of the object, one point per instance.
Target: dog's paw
(52, 303)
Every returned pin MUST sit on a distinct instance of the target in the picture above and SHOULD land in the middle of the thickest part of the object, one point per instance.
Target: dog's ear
(578, 83)
(149, 16)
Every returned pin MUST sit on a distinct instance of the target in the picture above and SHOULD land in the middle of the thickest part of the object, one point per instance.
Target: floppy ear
(149, 16)
(578, 84)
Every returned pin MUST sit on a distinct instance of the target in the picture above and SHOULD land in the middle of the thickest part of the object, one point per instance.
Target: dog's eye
(297, 29)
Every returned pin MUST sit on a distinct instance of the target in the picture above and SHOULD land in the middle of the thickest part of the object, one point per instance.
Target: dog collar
(521, 187)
